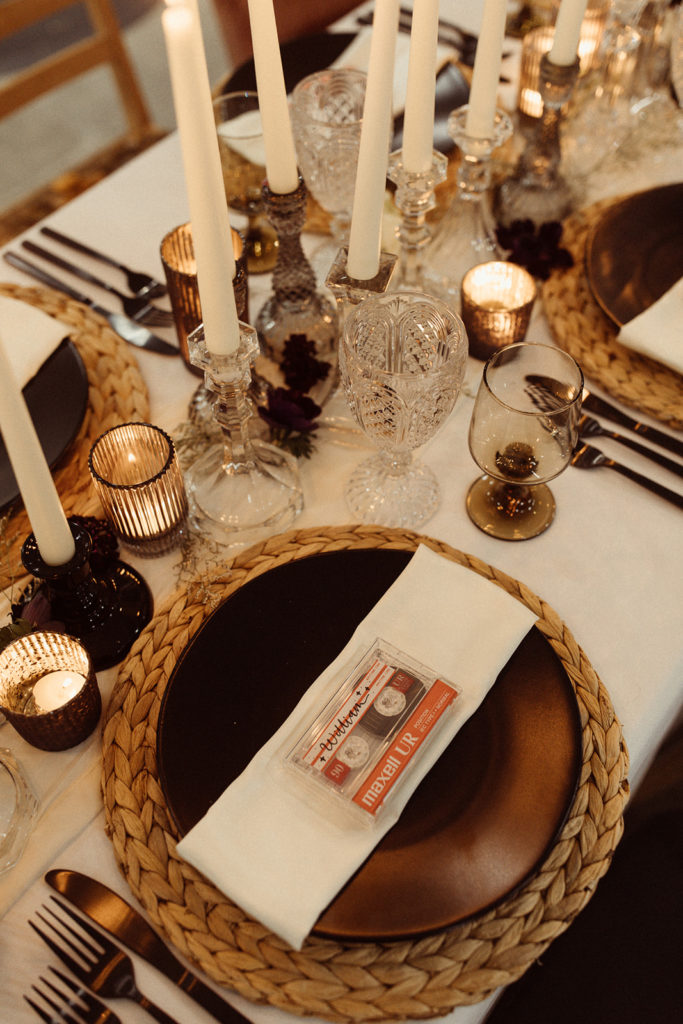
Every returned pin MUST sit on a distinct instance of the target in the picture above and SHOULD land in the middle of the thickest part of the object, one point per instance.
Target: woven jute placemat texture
(581, 328)
(116, 394)
(423, 978)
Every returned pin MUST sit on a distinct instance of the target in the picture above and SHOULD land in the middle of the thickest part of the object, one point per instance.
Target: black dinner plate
(301, 57)
(57, 398)
(634, 254)
(479, 823)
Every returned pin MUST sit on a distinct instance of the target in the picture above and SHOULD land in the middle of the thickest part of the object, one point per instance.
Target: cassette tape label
(372, 792)
(366, 735)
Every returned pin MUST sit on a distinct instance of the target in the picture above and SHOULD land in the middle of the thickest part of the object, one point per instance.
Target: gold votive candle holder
(497, 301)
(48, 690)
(135, 471)
(180, 269)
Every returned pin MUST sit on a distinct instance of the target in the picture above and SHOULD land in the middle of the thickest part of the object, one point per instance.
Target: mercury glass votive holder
(48, 690)
(497, 302)
(180, 269)
(135, 471)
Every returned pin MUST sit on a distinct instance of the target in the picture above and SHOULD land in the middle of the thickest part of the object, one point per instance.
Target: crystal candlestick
(349, 291)
(414, 199)
(466, 235)
(296, 307)
(537, 189)
(106, 612)
(241, 489)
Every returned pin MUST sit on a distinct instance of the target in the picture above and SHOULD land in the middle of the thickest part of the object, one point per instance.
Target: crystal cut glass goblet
(523, 431)
(402, 361)
(327, 115)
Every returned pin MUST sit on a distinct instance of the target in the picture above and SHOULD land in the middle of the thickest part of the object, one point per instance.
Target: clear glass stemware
(402, 361)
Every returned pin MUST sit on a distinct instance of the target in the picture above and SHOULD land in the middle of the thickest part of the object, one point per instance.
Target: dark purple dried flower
(300, 365)
(540, 252)
(290, 410)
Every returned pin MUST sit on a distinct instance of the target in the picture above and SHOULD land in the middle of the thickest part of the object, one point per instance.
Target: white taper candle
(211, 235)
(368, 202)
(418, 123)
(32, 473)
(281, 162)
(567, 31)
(483, 91)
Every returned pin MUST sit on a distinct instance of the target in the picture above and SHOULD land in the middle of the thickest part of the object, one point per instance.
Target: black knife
(126, 328)
(112, 913)
(602, 408)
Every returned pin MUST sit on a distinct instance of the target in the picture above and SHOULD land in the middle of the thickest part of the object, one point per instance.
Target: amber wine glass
(523, 431)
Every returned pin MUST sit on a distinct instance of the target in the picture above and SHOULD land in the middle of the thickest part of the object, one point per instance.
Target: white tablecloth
(610, 566)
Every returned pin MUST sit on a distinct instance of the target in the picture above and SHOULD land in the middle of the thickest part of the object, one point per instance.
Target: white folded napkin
(29, 336)
(657, 332)
(262, 843)
(244, 134)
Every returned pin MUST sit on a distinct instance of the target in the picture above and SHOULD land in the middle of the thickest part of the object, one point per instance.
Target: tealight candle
(55, 689)
(497, 301)
(135, 471)
(48, 690)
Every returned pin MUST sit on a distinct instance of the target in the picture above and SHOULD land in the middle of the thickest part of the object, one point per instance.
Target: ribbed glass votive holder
(135, 472)
(48, 690)
(497, 301)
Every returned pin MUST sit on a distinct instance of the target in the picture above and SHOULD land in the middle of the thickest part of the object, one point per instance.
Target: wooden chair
(103, 47)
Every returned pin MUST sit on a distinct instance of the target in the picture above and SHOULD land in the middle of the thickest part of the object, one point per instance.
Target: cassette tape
(370, 735)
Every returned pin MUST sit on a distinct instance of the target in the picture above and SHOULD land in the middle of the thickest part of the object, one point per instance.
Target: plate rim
(612, 211)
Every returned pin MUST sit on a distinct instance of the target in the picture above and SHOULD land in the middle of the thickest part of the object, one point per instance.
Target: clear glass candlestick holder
(414, 199)
(537, 190)
(296, 307)
(466, 235)
(241, 489)
(349, 291)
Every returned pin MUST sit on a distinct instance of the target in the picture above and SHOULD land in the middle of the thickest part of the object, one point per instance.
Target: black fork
(98, 962)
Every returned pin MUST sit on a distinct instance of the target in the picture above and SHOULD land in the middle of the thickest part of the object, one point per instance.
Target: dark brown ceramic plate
(475, 828)
(302, 57)
(57, 398)
(634, 254)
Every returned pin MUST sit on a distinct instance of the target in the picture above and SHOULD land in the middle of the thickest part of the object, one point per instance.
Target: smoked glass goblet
(243, 160)
(402, 359)
(523, 431)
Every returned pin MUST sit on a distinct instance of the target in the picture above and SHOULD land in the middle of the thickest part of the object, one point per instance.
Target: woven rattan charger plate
(116, 394)
(581, 328)
(349, 982)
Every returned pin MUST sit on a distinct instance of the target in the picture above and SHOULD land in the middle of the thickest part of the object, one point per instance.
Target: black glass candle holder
(106, 612)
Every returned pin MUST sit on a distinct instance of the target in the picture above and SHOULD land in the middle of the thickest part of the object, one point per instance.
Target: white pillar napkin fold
(657, 332)
(29, 337)
(262, 844)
